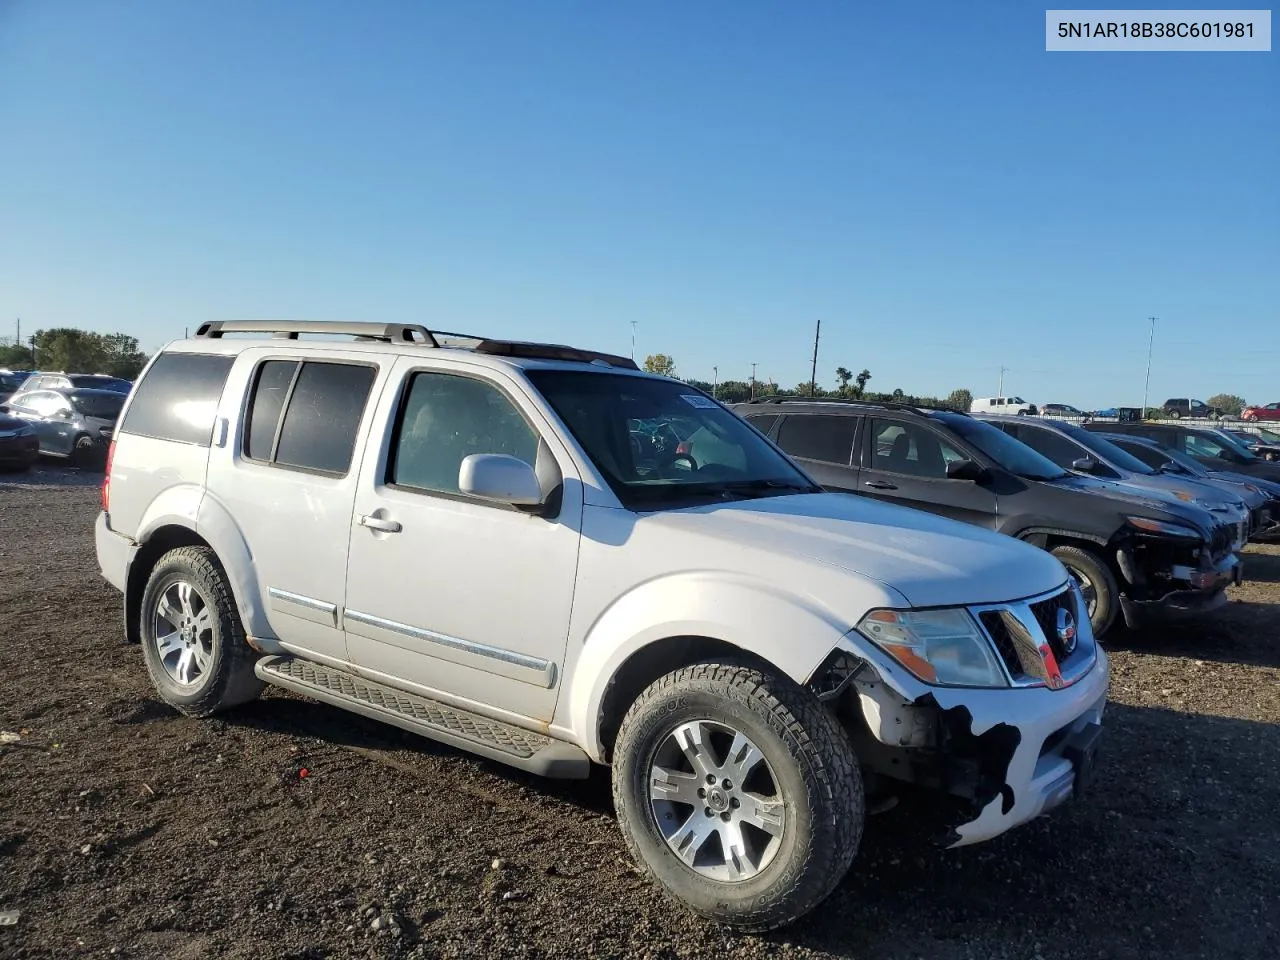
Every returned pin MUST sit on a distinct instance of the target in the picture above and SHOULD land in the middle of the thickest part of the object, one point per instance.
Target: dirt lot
(129, 831)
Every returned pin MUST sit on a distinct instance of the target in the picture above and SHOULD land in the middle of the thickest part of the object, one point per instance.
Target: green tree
(843, 376)
(660, 363)
(961, 399)
(1228, 403)
(861, 381)
(83, 351)
(806, 388)
(15, 357)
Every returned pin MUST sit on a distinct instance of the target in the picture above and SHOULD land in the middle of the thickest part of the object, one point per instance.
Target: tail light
(684, 448)
(106, 478)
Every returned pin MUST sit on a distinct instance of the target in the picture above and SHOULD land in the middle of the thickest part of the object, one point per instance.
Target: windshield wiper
(764, 486)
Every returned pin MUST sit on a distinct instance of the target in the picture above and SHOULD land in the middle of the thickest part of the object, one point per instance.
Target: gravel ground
(127, 830)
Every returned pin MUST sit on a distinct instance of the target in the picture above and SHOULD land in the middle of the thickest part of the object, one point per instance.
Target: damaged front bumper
(1005, 755)
(1205, 591)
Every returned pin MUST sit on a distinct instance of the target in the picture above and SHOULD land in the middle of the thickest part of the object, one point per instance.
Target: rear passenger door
(284, 465)
(824, 445)
(905, 462)
(460, 599)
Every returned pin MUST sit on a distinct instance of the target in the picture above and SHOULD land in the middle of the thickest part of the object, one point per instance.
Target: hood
(1140, 502)
(929, 560)
(1171, 489)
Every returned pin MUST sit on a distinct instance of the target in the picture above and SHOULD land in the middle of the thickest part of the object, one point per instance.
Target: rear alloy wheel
(192, 639)
(1174, 415)
(1097, 585)
(738, 792)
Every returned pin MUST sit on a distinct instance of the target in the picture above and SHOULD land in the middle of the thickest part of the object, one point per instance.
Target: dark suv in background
(1130, 555)
(1176, 407)
(1213, 448)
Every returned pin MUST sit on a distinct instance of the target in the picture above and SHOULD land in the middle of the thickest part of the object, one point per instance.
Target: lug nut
(728, 784)
(735, 803)
(711, 778)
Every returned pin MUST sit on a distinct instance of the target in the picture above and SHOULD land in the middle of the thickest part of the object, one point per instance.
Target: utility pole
(34, 365)
(633, 339)
(1146, 386)
(17, 341)
(715, 381)
(1000, 389)
(753, 381)
(813, 376)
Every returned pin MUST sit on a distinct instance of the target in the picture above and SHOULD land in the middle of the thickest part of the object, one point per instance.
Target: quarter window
(178, 398)
(448, 418)
(815, 437)
(910, 449)
(322, 405)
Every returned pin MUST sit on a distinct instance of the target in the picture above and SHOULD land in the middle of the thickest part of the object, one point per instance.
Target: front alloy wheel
(716, 801)
(738, 792)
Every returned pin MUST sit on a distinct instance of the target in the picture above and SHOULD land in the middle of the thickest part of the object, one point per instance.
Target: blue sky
(945, 195)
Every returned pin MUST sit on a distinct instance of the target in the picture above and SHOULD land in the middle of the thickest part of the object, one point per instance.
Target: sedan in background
(1268, 411)
(75, 424)
(19, 445)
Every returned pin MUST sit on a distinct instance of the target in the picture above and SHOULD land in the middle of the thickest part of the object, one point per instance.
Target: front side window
(1010, 454)
(322, 407)
(685, 447)
(1199, 445)
(911, 449)
(819, 437)
(446, 419)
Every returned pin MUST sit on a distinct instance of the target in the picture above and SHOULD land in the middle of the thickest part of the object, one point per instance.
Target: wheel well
(144, 561)
(1105, 555)
(648, 664)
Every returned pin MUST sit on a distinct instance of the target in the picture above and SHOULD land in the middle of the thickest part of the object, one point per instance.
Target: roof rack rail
(551, 351)
(290, 329)
(881, 404)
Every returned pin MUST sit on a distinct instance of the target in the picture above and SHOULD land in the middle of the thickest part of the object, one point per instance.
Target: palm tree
(844, 375)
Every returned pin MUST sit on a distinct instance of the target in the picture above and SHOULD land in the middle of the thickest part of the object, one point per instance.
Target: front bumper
(1208, 593)
(1060, 731)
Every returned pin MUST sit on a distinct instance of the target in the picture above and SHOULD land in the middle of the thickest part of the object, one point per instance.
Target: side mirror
(500, 479)
(1084, 465)
(1225, 454)
(63, 414)
(1172, 466)
(964, 470)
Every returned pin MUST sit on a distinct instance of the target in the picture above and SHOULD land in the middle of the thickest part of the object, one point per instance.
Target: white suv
(498, 545)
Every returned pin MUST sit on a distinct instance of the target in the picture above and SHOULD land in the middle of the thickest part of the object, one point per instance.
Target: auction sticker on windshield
(702, 403)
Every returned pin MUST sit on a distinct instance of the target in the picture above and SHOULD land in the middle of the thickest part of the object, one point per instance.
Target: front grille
(1003, 640)
(1223, 537)
(1046, 614)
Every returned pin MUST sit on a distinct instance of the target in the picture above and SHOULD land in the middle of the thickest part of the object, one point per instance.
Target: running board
(429, 718)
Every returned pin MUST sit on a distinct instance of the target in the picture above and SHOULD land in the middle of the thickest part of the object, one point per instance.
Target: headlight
(1167, 529)
(937, 646)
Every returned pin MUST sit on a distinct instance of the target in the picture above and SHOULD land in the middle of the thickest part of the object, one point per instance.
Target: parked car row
(1141, 542)
(66, 415)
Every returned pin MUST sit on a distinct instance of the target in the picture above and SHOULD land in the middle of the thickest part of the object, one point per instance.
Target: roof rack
(412, 333)
(290, 329)
(879, 404)
(551, 351)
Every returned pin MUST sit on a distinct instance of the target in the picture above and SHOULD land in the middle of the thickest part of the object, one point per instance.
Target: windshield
(1236, 444)
(96, 382)
(659, 443)
(1267, 436)
(103, 406)
(10, 383)
(1014, 455)
(1108, 451)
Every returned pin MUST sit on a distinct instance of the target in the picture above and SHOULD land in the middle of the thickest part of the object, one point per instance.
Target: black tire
(229, 679)
(1174, 415)
(813, 767)
(1106, 590)
(83, 453)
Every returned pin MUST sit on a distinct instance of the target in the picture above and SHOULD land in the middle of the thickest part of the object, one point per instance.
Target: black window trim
(392, 440)
(246, 405)
(854, 441)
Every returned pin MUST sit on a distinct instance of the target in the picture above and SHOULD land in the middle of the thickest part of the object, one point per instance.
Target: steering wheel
(671, 460)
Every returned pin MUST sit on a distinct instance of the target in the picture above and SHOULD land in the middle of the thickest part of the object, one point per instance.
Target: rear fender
(216, 527)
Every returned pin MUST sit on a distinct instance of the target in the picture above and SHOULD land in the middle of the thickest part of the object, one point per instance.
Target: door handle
(880, 485)
(379, 524)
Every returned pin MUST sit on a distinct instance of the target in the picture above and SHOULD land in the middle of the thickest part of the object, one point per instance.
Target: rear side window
(1049, 443)
(322, 404)
(829, 439)
(178, 398)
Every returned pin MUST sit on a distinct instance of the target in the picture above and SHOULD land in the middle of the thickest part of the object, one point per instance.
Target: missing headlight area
(918, 741)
